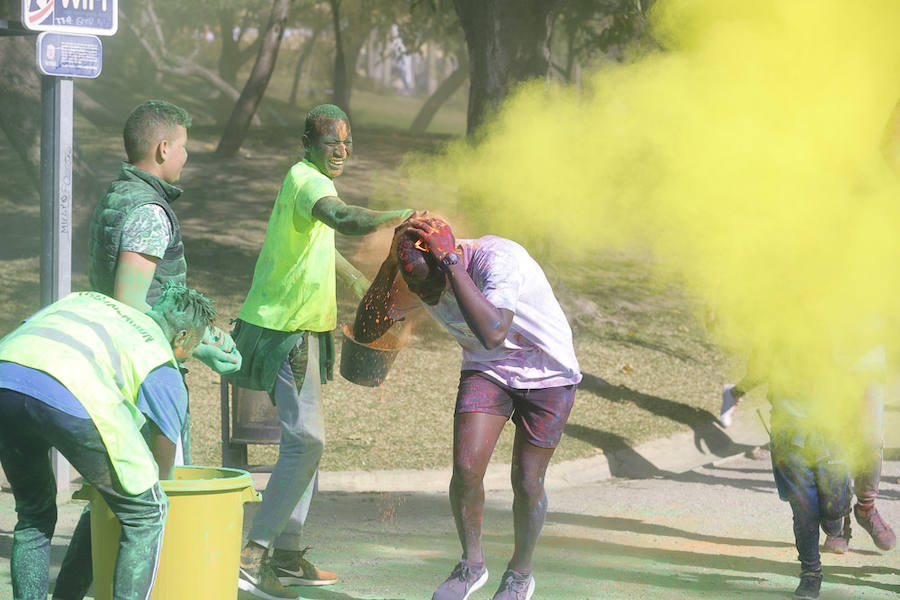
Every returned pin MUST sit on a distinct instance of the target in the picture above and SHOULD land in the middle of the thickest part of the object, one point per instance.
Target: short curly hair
(150, 122)
(312, 127)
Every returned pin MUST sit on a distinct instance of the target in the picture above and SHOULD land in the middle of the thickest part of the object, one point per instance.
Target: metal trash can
(248, 417)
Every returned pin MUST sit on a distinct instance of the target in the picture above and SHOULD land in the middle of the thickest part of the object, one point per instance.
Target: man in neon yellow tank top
(99, 381)
(286, 319)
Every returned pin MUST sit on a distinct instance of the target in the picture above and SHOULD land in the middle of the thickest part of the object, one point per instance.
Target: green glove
(223, 363)
(218, 352)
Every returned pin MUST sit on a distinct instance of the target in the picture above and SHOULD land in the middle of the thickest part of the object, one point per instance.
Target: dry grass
(632, 328)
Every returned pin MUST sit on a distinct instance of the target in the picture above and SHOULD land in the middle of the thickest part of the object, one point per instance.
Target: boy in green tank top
(292, 302)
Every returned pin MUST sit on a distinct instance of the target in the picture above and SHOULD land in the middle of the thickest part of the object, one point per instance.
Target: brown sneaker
(839, 543)
(871, 521)
(293, 569)
(257, 578)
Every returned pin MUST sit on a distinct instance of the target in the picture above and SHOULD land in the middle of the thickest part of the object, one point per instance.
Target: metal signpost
(62, 52)
(56, 210)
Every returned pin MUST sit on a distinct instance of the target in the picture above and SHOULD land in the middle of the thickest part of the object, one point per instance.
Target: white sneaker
(729, 402)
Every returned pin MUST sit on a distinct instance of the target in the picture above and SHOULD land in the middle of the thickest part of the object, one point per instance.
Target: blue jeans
(815, 479)
(28, 429)
(286, 501)
(76, 573)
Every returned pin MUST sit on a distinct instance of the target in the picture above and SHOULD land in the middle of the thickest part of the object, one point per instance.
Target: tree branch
(164, 61)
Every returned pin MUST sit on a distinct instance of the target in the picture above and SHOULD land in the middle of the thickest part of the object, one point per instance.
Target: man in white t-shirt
(518, 362)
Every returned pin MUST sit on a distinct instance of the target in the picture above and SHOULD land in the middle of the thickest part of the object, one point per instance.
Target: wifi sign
(99, 17)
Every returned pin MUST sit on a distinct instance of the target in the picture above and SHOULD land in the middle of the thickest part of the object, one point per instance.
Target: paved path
(644, 523)
(714, 532)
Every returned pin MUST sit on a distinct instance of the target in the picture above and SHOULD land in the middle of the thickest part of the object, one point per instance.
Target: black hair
(149, 123)
(315, 118)
(410, 255)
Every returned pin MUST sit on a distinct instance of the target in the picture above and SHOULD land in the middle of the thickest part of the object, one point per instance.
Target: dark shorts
(540, 414)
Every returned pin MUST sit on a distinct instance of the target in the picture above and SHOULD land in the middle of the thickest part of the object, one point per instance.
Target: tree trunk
(298, 69)
(93, 111)
(443, 93)
(341, 85)
(430, 68)
(20, 109)
(243, 112)
(508, 42)
(228, 56)
(232, 57)
(353, 45)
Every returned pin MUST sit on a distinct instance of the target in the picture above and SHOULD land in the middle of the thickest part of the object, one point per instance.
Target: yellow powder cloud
(746, 155)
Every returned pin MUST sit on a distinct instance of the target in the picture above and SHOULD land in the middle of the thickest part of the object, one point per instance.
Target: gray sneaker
(463, 581)
(515, 586)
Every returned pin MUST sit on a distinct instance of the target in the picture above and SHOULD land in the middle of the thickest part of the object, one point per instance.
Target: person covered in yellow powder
(98, 380)
(818, 450)
(867, 435)
(284, 335)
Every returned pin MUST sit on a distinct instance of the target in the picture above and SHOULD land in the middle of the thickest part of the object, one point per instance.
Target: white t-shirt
(538, 350)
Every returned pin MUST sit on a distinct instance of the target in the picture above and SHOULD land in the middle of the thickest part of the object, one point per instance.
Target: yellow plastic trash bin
(202, 543)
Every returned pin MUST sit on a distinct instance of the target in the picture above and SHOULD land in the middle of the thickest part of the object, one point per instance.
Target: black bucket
(368, 364)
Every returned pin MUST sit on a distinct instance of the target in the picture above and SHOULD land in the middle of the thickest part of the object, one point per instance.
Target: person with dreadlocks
(518, 362)
(283, 333)
(98, 380)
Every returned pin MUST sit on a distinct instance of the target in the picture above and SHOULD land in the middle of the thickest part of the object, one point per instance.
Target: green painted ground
(713, 533)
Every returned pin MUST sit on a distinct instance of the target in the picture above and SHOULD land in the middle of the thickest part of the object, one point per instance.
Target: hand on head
(432, 234)
(406, 229)
(439, 239)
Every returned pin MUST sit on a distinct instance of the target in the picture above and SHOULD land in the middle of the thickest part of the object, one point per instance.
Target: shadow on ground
(644, 527)
(624, 461)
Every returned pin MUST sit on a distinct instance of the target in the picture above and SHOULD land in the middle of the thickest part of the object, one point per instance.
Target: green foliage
(197, 13)
(591, 28)
(431, 21)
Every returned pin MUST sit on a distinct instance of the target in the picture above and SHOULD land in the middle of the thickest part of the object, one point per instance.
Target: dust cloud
(747, 154)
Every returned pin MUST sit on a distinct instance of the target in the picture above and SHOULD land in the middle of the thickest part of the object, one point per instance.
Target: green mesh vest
(133, 188)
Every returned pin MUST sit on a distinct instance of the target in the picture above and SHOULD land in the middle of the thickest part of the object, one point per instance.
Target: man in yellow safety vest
(99, 381)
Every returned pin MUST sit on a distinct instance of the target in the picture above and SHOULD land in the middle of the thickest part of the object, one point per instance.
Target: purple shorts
(540, 414)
